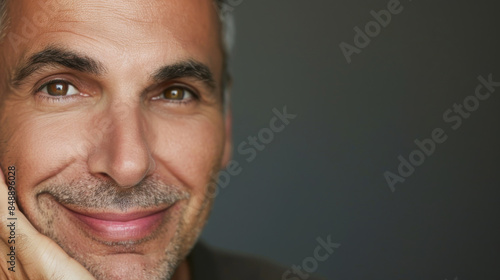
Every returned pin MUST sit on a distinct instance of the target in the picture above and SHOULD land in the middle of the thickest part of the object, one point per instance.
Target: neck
(182, 272)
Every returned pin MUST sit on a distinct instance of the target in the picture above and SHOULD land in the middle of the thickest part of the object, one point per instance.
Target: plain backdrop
(323, 175)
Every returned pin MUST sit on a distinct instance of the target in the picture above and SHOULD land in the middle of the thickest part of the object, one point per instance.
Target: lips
(119, 227)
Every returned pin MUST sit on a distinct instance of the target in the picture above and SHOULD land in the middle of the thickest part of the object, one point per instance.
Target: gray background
(323, 175)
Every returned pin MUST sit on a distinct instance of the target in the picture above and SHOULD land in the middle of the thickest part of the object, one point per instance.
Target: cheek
(40, 147)
(191, 149)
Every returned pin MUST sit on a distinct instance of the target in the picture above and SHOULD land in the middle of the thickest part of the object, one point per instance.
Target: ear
(228, 141)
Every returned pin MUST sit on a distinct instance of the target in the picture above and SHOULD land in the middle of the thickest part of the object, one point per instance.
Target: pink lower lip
(121, 227)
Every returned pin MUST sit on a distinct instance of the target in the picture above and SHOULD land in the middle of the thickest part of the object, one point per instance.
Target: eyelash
(52, 99)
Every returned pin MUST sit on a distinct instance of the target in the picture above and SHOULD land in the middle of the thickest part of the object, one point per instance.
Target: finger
(13, 223)
(10, 266)
(35, 254)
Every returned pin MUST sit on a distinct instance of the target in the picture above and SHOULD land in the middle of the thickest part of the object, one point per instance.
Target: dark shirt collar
(202, 263)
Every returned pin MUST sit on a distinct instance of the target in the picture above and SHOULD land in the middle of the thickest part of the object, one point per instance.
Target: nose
(120, 149)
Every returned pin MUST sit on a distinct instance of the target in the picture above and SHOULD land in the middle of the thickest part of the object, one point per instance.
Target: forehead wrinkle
(56, 32)
(134, 12)
(123, 30)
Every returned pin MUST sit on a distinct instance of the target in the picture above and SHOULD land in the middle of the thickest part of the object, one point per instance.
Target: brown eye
(174, 93)
(59, 88)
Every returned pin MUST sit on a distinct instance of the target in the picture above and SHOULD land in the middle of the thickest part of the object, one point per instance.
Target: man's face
(112, 113)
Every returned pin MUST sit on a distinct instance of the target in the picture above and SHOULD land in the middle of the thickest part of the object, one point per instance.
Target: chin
(132, 267)
(153, 259)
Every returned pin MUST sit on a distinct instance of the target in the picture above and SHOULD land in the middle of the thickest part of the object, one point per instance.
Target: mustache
(97, 193)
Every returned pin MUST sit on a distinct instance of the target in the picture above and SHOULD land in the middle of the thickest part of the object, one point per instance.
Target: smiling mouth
(112, 226)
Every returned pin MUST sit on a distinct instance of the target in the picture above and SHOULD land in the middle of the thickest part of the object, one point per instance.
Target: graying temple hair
(228, 33)
(228, 27)
(3, 18)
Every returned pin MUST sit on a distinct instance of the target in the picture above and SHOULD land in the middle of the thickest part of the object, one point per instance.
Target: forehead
(165, 30)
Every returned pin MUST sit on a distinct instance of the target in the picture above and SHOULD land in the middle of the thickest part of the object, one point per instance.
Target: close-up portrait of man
(248, 140)
(114, 124)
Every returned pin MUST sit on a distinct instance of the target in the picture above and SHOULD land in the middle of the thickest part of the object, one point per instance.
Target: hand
(36, 255)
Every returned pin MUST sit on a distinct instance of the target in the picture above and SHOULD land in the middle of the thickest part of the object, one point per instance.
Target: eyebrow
(72, 60)
(188, 68)
(56, 56)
